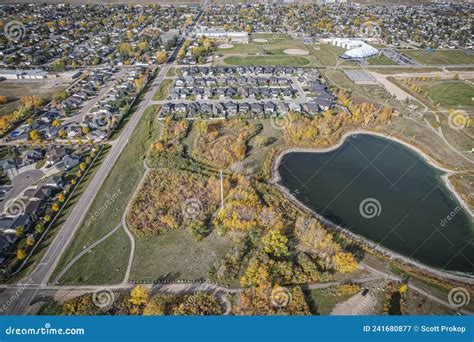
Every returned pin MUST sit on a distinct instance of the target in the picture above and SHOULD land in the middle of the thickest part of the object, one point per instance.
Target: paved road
(88, 105)
(391, 276)
(40, 275)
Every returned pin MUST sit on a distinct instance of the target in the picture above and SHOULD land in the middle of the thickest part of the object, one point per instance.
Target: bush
(198, 230)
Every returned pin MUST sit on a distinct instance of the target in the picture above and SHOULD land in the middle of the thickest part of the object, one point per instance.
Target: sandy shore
(360, 239)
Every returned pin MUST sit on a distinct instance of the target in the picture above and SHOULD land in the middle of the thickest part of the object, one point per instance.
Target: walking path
(83, 252)
(374, 246)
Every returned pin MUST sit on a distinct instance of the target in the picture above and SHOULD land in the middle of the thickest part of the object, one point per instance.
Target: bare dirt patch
(296, 52)
(356, 305)
(226, 46)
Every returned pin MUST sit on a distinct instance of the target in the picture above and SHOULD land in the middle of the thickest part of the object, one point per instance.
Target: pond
(387, 193)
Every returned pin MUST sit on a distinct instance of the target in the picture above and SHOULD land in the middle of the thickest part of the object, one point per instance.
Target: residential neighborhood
(435, 25)
(240, 158)
(250, 91)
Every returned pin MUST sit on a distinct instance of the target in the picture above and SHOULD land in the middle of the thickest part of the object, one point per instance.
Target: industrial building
(240, 37)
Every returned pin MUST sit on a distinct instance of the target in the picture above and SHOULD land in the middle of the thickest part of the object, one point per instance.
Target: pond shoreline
(444, 274)
(448, 172)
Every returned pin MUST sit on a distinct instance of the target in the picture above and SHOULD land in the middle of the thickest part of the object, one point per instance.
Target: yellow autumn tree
(274, 243)
(20, 254)
(344, 262)
(139, 295)
(161, 57)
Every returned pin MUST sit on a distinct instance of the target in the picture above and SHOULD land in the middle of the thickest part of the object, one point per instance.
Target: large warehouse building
(241, 37)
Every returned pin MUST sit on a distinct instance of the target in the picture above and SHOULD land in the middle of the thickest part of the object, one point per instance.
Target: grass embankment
(163, 90)
(122, 180)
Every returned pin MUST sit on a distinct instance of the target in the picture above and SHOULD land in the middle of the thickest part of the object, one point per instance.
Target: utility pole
(222, 191)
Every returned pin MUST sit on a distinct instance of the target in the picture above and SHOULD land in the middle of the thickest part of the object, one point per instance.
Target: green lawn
(176, 254)
(283, 60)
(104, 264)
(272, 52)
(381, 60)
(163, 90)
(451, 93)
(426, 57)
(327, 54)
(122, 179)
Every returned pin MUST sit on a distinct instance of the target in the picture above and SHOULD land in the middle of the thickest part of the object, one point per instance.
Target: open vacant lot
(15, 89)
(427, 57)
(176, 255)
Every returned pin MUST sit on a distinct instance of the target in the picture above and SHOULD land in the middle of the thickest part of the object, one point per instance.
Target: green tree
(198, 230)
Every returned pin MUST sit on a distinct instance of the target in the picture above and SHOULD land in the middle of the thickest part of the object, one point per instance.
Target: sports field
(428, 57)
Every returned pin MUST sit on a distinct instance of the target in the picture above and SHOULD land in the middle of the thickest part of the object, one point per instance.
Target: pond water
(387, 193)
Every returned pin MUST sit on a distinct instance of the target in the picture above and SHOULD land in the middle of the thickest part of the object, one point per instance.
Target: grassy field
(381, 60)
(272, 52)
(104, 264)
(451, 93)
(322, 302)
(283, 60)
(361, 93)
(275, 45)
(392, 71)
(256, 155)
(175, 254)
(14, 90)
(416, 132)
(122, 179)
(163, 90)
(327, 55)
(426, 57)
(171, 72)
